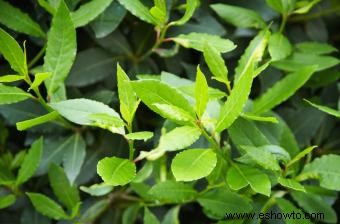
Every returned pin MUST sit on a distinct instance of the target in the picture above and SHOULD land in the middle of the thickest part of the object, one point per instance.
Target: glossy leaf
(139, 10)
(279, 46)
(11, 78)
(7, 200)
(315, 48)
(301, 154)
(190, 8)
(325, 109)
(201, 92)
(291, 184)
(23, 125)
(97, 189)
(9, 94)
(142, 135)
(149, 217)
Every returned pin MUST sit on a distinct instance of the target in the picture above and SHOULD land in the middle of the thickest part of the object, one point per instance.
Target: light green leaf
(106, 121)
(142, 135)
(326, 169)
(174, 113)
(198, 40)
(144, 172)
(253, 117)
(282, 6)
(13, 53)
(158, 14)
(193, 164)
(325, 109)
(11, 78)
(301, 154)
(315, 48)
(61, 48)
(97, 189)
(47, 206)
(291, 184)
(74, 157)
(31, 162)
(89, 11)
(127, 98)
(95, 210)
(288, 207)
(23, 125)
(38, 79)
(305, 6)
(221, 201)
(172, 192)
(279, 46)
(45, 5)
(130, 214)
(7, 200)
(282, 90)
(116, 171)
(152, 91)
(238, 16)
(267, 160)
(149, 217)
(11, 94)
(171, 217)
(190, 8)
(67, 194)
(19, 21)
(201, 92)
(139, 10)
(240, 176)
(215, 63)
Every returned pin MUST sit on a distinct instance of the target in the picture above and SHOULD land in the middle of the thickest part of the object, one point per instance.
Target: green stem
(37, 57)
(283, 23)
(130, 142)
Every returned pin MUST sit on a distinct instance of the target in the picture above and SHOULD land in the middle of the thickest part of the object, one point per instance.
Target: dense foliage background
(264, 136)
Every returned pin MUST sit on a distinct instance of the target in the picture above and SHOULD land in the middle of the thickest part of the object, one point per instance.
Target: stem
(130, 143)
(271, 201)
(37, 57)
(283, 22)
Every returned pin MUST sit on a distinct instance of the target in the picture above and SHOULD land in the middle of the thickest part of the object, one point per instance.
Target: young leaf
(287, 207)
(190, 8)
(11, 94)
(11, 78)
(23, 125)
(6, 201)
(198, 40)
(221, 201)
(88, 12)
(174, 113)
(201, 92)
(325, 169)
(61, 48)
(291, 184)
(282, 6)
(67, 194)
(279, 46)
(19, 21)
(13, 53)
(301, 155)
(172, 192)
(142, 135)
(138, 9)
(282, 90)
(38, 79)
(238, 16)
(74, 157)
(325, 109)
(116, 171)
(105, 121)
(127, 98)
(47, 206)
(31, 162)
(193, 164)
(253, 117)
(304, 7)
(240, 176)
(149, 218)
(97, 189)
(315, 48)
(159, 14)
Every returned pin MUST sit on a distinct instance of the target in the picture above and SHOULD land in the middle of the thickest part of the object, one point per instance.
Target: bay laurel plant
(168, 112)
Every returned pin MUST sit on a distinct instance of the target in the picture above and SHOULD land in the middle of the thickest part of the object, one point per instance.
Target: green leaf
(11, 94)
(19, 21)
(109, 20)
(193, 164)
(305, 6)
(171, 217)
(315, 204)
(11, 78)
(131, 213)
(67, 194)
(190, 8)
(282, 6)
(238, 16)
(97, 189)
(139, 10)
(174, 113)
(288, 208)
(253, 117)
(38, 79)
(61, 48)
(31, 162)
(197, 41)
(149, 218)
(215, 63)
(159, 14)
(127, 98)
(106, 121)
(267, 160)
(240, 176)
(325, 109)
(47, 206)
(142, 135)
(221, 201)
(201, 92)
(23, 125)
(89, 11)
(291, 184)
(116, 171)
(173, 192)
(144, 172)
(13, 53)
(74, 157)
(301, 154)
(315, 48)
(326, 170)
(7, 200)
(152, 91)
(282, 90)
(279, 46)
(95, 210)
